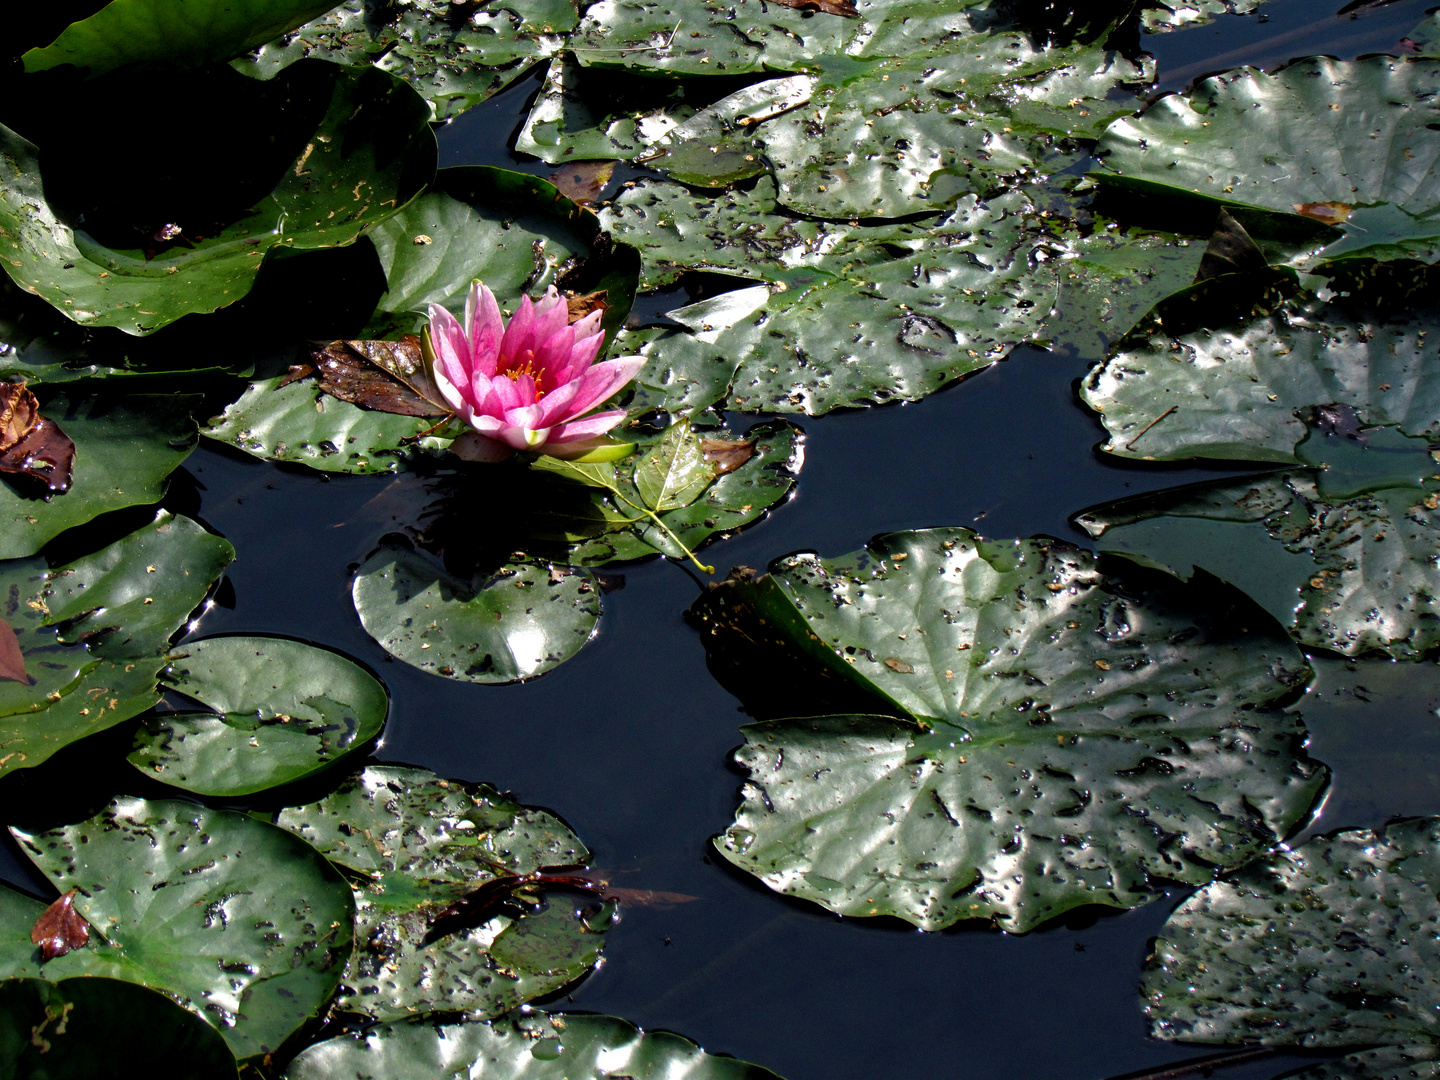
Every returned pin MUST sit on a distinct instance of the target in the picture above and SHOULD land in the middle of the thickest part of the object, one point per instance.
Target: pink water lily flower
(526, 386)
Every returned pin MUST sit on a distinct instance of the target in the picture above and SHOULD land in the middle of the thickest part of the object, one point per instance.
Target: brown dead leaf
(727, 455)
(894, 663)
(1331, 213)
(387, 376)
(60, 928)
(647, 897)
(580, 306)
(31, 444)
(12, 660)
(582, 181)
(829, 7)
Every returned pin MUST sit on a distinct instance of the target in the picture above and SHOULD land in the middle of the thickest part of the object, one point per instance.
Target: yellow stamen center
(537, 374)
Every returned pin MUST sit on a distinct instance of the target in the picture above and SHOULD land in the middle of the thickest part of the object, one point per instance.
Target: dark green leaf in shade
(95, 633)
(1318, 131)
(371, 152)
(674, 477)
(169, 33)
(1332, 944)
(1240, 389)
(1060, 732)
(74, 1029)
(125, 450)
(282, 710)
(543, 1046)
(454, 55)
(188, 901)
(417, 843)
(516, 623)
(1347, 565)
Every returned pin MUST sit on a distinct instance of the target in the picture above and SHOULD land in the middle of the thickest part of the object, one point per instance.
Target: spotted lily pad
(125, 450)
(370, 151)
(70, 1030)
(544, 1046)
(169, 33)
(282, 710)
(415, 844)
(1058, 732)
(1317, 132)
(1158, 16)
(187, 901)
(1331, 944)
(516, 623)
(95, 632)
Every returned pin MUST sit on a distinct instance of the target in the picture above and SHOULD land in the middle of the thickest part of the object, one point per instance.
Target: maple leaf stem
(666, 528)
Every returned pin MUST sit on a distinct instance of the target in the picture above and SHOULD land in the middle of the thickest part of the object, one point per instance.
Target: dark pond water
(629, 741)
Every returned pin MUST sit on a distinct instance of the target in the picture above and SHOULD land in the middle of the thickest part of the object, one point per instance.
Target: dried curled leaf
(829, 7)
(30, 444)
(12, 660)
(387, 376)
(582, 181)
(727, 455)
(580, 306)
(60, 928)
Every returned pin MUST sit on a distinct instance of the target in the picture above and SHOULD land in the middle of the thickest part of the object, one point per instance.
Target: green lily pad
(95, 632)
(545, 1046)
(516, 623)
(187, 901)
(169, 33)
(1326, 945)
(696, 37)
(894, 321)
(454, 60)
(1238, 389)
(70, 1031)
(1060, 733)
(1424, 40)
(417, 844)
(673, 478)
(1384, 231)
(125, 450)
(282, 710)
(1348, 570)
(1318, 131)
(371, 151)
(1157, 17)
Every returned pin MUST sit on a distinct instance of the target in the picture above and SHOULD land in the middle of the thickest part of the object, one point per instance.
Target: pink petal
(449, 391)
(452, 349)
(517, 335)
(587, 428)
(484, 398)
(505, 393)
(525, 439)
(584, 352)
(486, 328)
(552, 315)
(553, 357)
(604, 379)
(557, 405)
(527, 417)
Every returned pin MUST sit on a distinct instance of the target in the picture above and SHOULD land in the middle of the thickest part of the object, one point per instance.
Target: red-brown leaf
(383, 375)
(1331, 213)
(727, 455)
(829, 7)
(582, 181)
(33, 445)
(12, 660)
(60, 928)
(580, 306)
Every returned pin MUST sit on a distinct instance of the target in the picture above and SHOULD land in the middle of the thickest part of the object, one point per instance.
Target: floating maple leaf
(30, 444)
(1331, 213)
(12, 660)
(60, 928)
(388, 376)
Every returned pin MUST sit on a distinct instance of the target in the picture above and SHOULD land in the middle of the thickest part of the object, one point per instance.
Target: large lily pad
(1317, 132)
(125, 450)
(545, 1046)
(417, 844)
(70, 1031)
(1327, 945)
(1160, 15)
(1058, 734)
(895, 322)
(515, 623)
(95, 632)
(1241, 389)
(188, 901)
(370, 152)
(454, 58)
(169, 33)
(282, 710)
